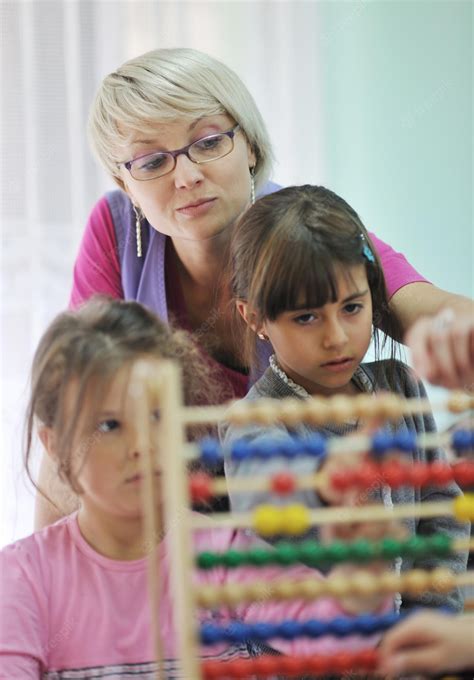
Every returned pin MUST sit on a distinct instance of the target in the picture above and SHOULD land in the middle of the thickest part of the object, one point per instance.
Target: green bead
(233, 558)
(390, 548)
(310, 553)
(286, 553)
(260, 556)
(415, 547)
(207, 560)
(362, 551)
(441, 544)
(337, 552)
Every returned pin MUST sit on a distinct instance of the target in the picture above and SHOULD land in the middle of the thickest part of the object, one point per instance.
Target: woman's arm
(61, 501)
(441, 341)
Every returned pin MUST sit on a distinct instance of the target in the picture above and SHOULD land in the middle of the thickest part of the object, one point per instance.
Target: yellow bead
(388, 582)
(207, 596)
(233, 594)
(267, 520)
(310, 589)
(460, 401)
(259, 591)
(338, 586)
(364, 405)
(284, 590)
(291, 411)
(389, 406)
(340, 409)
(416, 581)
(364, 583)
(464, 508)
(295, 519)
(442, 580)
(265, 411)
(239, 413)
(316, 411)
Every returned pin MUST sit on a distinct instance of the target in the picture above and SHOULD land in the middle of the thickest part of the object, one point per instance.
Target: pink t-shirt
(68, 612)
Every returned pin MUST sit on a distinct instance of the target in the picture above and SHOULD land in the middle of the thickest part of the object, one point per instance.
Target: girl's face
(192, 202)
(321, 348)
(108, 455)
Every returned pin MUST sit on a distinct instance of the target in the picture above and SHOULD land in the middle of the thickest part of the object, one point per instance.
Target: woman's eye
(152, 163)
(353, 308)
(209, 143)
(303, 319)
(108, 425)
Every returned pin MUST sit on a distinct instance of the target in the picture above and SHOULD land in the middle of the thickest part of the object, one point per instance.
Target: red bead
(440, 473)
(368, 475)
(318, 665)
(264, 665)
(340, 481)
(292, 665)
(394, 473)
(211, 670)
(342, 662)
(367, 659)
(200, 487)
(464, 473)
(419, 474)
(239, 668)
(283, 483)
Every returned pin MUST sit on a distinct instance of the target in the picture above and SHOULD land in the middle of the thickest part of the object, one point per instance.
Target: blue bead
(237, 632)
(262, 631)
(462, 440)
(316, 446)
(314, 628)
(263, 449)
(291, 448)
(381, 442)
(366, 623)
(210, 451)
(389, 620)
(341, 626)
(405, 440)
(240, 450)
(211, 634)
(289, 630)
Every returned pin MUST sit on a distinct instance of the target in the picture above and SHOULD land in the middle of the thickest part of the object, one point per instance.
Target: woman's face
(192, 202)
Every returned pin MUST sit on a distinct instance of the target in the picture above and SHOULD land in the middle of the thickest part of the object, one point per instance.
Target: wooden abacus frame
(164, 387)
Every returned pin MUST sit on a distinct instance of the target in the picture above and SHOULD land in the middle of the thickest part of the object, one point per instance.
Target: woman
(182, 138)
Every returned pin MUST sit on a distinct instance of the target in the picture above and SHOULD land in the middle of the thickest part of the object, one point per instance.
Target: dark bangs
(303, 269)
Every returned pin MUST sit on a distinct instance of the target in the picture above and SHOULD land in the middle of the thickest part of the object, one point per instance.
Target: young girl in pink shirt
(74, 601)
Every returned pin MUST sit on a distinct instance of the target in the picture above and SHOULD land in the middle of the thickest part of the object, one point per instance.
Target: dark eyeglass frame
(184, 150)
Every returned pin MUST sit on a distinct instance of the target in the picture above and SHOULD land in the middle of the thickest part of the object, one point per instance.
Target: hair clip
(366, 251)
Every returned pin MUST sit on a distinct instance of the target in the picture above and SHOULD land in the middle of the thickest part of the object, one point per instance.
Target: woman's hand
(442, 347)
(428, 642)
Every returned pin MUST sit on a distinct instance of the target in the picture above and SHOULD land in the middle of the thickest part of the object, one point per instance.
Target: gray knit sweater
(374, 378)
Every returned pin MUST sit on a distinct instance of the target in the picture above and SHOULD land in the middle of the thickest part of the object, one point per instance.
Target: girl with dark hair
(307, 279)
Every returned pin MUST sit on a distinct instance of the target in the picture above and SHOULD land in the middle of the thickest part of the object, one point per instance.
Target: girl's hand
(428, 642)
(442, 348)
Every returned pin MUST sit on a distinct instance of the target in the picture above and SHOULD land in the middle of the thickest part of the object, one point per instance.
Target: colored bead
(390, 548)
(363, 406)
(341, 480)
(362, 551)
(440, 473)
(364, 583)
(265, 665)
(207, 560)
(419, 474)
(265, 411)
(442, 580)
(367, 624)
(341, 662)
(210, 452)
(310, 553)
(316, 411)
(258, 591)
(315, 446)
(337, 552)
(240, 450)
(267, 520)
(236, 632)
(314, 628)
(341, 627)
(200, 489)
(288, 630)
(292, 665)
(338, 586)
(416, 581)
(440, 544)
(207, 596)
(295, 519)
(388, 582)
(264, 449)
(459, 402)
(464, 508)
(393, 473)
(405, 440)
(415, 547)
(309, 589)
(292, 448)
(464, 473)
(340, 409)
(239, 413)
(259, 556)
(290, 411)
(389, 406)
(238, 668)
(286, 553)
(381, 443)
(462, 440)
(211, 634)
(318, 665)
(233, 594)
(233, 558)
(284, 590)
(368, 475)
(366, 659)
(261, 631)
(283, 483)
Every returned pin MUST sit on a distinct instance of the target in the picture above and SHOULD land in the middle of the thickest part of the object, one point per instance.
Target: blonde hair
(167, 84)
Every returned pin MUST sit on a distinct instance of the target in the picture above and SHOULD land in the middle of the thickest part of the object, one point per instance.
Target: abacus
(181, 487)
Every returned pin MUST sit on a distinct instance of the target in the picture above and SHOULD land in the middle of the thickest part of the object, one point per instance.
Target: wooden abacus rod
(361, 583)
(461, 507)
(318, 410)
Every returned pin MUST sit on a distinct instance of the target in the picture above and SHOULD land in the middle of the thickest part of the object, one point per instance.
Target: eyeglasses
(204, 150)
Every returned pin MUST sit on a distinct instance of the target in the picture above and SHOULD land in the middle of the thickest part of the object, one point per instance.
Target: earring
(138, 229)
(262, 336)
(252, 186)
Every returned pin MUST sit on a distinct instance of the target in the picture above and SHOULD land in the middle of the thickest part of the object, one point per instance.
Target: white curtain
(351, 91)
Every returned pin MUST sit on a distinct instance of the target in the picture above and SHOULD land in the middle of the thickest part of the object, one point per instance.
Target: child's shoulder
(393, 375)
